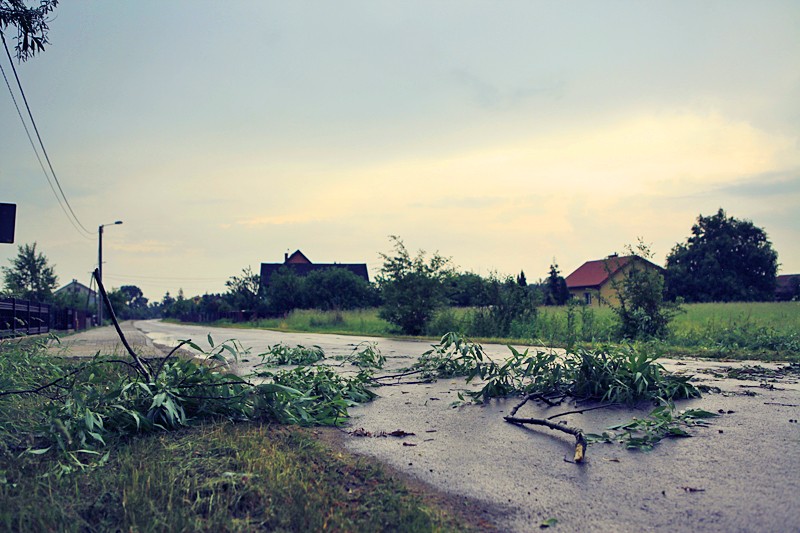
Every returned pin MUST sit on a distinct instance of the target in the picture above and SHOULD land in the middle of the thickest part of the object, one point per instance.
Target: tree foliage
(725, 260)
(467, 289)
(129, 303)
(642, 311)
(556, 287)
(30, 24)
(244, 292)
(29, 276)
(413, 288)
(510, 307)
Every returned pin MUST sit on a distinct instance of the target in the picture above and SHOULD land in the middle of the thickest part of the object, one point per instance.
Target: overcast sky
(505, 135)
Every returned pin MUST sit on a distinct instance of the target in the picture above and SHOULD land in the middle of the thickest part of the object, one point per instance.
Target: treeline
(340, 289)
(724, 259)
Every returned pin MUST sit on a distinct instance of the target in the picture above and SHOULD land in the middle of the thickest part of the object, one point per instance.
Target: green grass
(357, 322)
(210, 475)
(758, 330)
(218, 477)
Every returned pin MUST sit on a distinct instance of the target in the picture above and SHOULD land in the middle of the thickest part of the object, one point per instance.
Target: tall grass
(219, 477)
(764, 330)
(355, 322)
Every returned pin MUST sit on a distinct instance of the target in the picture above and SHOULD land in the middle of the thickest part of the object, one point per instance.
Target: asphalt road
(740, 474)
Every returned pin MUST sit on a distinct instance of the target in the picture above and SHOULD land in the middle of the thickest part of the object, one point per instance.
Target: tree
(413, 288)
(284, 291)
(642, 311)
(30, 23)
(724, 260)
(521, 281)
(556, 287)
(244, 292)
(467, 289)
(30, 277)
(337, 288)
(129, 302)
(509, 303)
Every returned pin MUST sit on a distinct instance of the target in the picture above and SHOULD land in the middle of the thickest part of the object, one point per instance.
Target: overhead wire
(36, 152)
(74, 220)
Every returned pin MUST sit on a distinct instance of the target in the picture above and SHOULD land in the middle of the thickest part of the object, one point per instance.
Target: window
(587, 298)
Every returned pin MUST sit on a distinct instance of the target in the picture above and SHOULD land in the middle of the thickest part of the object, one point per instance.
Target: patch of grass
(763, 330)
(218, 477)
(752, 330)
(356, 322)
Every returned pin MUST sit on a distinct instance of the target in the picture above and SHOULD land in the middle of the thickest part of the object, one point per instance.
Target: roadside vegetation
(182, 445)
(738, 330)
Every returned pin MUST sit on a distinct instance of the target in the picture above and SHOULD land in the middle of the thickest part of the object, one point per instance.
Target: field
(759, 330)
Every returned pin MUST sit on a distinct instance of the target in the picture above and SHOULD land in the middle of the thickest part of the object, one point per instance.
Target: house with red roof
(594, 281)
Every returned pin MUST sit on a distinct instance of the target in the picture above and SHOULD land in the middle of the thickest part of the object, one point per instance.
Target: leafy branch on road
(626, 375)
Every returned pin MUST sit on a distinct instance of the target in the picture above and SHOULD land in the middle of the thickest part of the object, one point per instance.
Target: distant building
(78, 293)
(301, 265)
(593, 282)
(787, 287)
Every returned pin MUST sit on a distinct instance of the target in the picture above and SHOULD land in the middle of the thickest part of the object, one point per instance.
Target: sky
(505, 135)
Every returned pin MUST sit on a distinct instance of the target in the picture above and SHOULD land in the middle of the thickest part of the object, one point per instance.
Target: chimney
(285, 257)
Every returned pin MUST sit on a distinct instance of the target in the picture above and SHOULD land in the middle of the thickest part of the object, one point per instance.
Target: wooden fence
(22, 317)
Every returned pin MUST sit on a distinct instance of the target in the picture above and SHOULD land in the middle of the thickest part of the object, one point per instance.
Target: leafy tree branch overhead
(30, 23)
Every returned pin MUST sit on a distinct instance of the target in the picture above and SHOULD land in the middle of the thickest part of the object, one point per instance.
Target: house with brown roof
(302, 265)
(594, 281)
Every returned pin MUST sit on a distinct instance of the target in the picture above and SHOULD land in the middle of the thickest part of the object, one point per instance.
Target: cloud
(767, 184)
(141, 247)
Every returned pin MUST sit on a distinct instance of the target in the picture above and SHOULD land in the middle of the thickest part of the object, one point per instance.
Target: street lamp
(100, 268)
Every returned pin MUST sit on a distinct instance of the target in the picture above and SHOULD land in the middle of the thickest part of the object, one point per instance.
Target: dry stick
(142, 368)
(580, 440)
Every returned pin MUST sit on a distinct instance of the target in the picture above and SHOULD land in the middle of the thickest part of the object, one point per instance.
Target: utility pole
(100, 268)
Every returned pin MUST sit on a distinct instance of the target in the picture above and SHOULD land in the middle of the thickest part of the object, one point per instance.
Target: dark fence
(74, 319)
(22, 317)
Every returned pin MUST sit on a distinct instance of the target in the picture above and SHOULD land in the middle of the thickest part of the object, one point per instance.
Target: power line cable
(41, 143)
(36, 152)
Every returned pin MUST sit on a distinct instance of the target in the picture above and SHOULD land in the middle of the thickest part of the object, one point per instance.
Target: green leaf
(550, 522)
(40, 451)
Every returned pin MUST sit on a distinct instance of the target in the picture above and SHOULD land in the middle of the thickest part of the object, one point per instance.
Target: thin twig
(533, 396)
(175, 349)
(580, 411)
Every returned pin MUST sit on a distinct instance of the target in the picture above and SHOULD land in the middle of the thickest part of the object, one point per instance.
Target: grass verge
(219, 477)
(756, 330)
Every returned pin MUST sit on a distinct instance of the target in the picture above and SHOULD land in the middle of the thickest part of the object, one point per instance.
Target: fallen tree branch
(580, 440)
(140, 365)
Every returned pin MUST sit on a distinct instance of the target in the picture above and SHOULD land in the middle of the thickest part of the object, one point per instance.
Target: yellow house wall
(607, 295)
